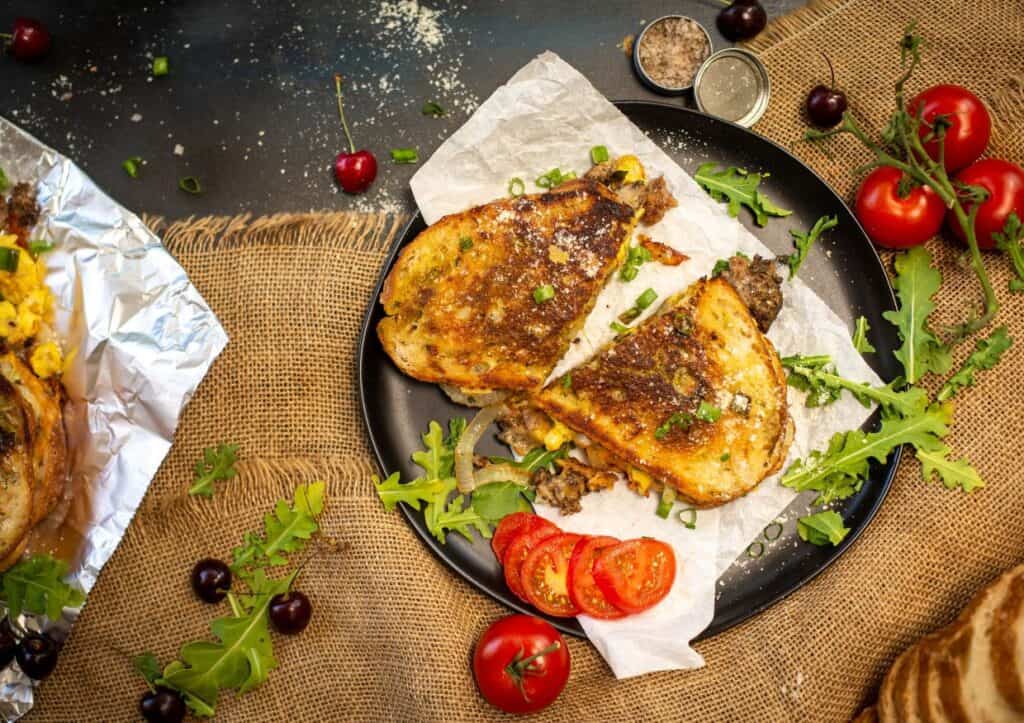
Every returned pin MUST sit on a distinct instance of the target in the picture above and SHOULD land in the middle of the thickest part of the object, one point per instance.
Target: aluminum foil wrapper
(143, 338)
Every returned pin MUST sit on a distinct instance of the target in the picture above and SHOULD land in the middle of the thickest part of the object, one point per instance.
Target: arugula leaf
(916, 283)
(987, 353)
(433, 109)
(840, 470)
(218, 463)
(803, 242)
(438, 456)
(495, 500)
(148, 667)
(459, 518)
(739, 188)
(286, 530)
(1009, 242)
(860, 336)
(392, 491)
(36, 584)
(241, 658)
(537, 458)
(953, 473)
(817, 376)
(822, 528)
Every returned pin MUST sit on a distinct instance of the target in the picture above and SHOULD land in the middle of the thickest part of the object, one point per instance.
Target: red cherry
(354, 170)
(30, 39)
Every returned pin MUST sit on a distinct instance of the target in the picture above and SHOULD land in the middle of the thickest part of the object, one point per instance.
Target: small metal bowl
(639, 68)
(749, 113)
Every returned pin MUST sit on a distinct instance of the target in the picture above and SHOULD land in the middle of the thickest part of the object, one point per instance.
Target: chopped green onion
(638, 256)
(619, 328)
(160, 66)
(646, 299)
(432, 109)
(725, 457)
(708, 412)
(567, 381)
(465, 243)
(544, 293)
(38, 246)
(4, 183)
(405, 155)
(190, 184)
(516, 187)
(680, 420)
(689, 518)
(554, 178)
(598, 154)
(772, 531)
(668, 498)
(629, 315)
(9, 259)
(131, 166)
(755, 550)
(629, 273)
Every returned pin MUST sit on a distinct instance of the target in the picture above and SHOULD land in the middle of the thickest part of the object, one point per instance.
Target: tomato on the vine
(521, 664)
(968, 124)
(636, 574)
(893, 221)
(1004, 182)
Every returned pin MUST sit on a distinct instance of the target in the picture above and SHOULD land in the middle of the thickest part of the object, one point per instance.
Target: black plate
(845, 271)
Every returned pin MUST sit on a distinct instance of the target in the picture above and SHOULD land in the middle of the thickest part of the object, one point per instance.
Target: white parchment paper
(549, 115)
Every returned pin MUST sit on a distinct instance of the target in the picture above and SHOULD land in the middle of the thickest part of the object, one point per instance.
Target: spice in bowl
(669, 51)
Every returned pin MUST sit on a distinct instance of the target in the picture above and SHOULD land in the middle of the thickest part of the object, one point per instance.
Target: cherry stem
(341, 112)
(831, 70)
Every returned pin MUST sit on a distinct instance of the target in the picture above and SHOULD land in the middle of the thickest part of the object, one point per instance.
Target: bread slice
(694, 397)
(16, 470)
(1006, 651)
(491, 298)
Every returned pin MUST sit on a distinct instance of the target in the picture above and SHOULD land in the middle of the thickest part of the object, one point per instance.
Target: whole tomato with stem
(894, 219)
(1004, 183)
(967, 124)
(521, 664)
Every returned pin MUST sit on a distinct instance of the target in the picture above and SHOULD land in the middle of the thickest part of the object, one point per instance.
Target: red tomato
(894, 222)
(1004, 182)
(636, 574)
(969, 124)
(582, 589)
(521, 664)
(515, 556)
(545, 575)
(513, 525)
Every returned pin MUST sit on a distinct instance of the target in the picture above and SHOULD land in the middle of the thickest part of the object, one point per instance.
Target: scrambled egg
(558, 435)
(26, 306)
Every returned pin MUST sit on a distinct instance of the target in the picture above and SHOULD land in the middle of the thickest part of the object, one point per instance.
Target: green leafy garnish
(9, 259)
(916, 283)
(817, 376)
(190, 184)
(392, 490)
(987, 353)
(860, 336)
(432, 109)
(404, 155)
(465, 243)
(131, 166)
(285, 530)
(739, 188)
(218, 463)
(554, 178)
(148, 667)
(822, 528)
(1009, 242)
(495, 500)
(437, 458)
(720, 267)
(161, 66)
(599, 154)
(537, 458)
(636, 258)
(567, 381)
(953, 472)
(708, 412)
(676, 420)
(804, 240)
(36, 584)
(840, 470)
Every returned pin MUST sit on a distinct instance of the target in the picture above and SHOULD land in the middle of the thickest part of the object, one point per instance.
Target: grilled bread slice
(16, 471)
(695, 397)
(492, 297)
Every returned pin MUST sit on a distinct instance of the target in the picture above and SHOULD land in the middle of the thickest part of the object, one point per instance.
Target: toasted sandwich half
(694, 398)
(491, 298)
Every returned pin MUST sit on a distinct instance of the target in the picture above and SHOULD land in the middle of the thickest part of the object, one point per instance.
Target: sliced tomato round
(513, 525)
(636, 574)
(584, 592)
(515, 555)
(545, 575)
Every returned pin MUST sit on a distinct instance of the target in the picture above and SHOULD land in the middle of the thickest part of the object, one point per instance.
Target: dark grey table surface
(249, 101)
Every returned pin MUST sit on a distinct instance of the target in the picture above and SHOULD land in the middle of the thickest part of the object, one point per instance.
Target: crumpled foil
(143, 338)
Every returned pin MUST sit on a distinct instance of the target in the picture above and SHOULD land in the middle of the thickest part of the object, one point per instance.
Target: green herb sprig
(739, 188)
(36, 584)
(804, 240)
(218, 463)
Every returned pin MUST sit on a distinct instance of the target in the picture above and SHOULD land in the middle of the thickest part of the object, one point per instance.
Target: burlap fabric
(393, 628)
